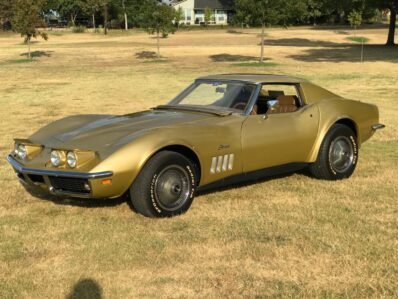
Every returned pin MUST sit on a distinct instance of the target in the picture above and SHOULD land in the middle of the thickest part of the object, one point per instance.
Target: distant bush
(78, 29)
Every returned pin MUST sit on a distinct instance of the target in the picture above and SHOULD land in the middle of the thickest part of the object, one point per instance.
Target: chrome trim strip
(213, 165)
(378, 127)
(57, 173)
(225, 163)
(219, 164)
(231, 162)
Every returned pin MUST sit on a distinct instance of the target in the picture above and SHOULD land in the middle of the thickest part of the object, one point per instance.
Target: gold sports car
(222, 128)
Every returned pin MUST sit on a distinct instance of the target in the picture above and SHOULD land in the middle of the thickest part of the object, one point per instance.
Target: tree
(392, 6)
(355, 19)
(244, 12)
(70, 8)
(314, 10)
(208, 15)
(106, 12)
(92, 7)
(179, 16)
(6, 11)
(26, 18)
(265, 12)
(157, 19)
(126, 24)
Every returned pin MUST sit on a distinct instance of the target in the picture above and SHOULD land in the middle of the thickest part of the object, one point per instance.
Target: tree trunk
(106, 19)
(158, 42)
(28, 42)
(262, 42)
(391, 30)
(72, 19)
(94, 21)
(126, 24)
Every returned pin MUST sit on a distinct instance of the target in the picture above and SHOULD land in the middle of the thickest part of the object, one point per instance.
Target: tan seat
(285, 104)
(255, 110)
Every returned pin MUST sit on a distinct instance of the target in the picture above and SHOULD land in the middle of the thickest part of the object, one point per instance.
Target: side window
(277, 98)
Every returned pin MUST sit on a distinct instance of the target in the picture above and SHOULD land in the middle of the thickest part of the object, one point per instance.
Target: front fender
(127, 162)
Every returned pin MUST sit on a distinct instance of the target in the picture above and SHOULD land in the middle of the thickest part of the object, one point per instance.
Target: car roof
(254, 78)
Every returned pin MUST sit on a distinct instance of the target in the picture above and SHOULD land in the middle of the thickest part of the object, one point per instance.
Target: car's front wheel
(165, 187)
(338, 154)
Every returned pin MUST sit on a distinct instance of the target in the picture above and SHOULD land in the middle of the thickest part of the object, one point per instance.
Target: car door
(273, 139)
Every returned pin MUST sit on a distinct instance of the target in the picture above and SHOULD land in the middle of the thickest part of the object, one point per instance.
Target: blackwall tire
(165, 186)
(338, 154)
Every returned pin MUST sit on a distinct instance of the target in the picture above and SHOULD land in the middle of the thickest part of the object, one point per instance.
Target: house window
(188, 15)
(199, 16)
(221, 15)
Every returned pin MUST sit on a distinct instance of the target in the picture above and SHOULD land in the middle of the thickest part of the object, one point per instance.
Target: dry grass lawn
(283, 237)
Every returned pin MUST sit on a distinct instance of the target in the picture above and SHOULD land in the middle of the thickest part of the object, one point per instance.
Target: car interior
(271, 101)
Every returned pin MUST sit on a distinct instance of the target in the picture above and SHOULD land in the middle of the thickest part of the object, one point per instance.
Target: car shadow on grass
(257, 177)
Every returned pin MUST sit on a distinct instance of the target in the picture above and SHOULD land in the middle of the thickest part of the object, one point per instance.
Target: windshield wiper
(194, 109)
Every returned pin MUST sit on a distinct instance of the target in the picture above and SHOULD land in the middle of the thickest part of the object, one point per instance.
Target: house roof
(214, 4)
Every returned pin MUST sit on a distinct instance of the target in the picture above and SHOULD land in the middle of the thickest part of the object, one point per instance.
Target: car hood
(101, 132)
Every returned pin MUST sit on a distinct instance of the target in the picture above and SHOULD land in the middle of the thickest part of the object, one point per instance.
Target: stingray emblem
(223, 146)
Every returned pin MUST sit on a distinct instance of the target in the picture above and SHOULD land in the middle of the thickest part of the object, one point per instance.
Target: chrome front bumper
(45, 178)
(378, 127)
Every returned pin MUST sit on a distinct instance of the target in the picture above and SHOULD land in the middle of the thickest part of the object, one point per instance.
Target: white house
(194, 11)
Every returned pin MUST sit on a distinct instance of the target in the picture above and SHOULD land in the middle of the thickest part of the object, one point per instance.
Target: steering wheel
(239, 106)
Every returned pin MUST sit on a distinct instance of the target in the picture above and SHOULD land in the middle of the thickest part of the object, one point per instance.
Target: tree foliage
(5, 10)
(26, 18)
(92, 7)
(269, 13)
(355, 18)
(392, 6)
(157, 19)
(179, 16)
(72, 8)
(208, 15)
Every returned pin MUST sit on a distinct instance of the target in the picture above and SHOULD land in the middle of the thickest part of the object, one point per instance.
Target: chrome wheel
(172, 188)
(341, 154)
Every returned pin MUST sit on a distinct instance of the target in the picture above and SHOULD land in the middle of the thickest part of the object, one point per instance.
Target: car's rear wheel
(338, 154)
(165, 187)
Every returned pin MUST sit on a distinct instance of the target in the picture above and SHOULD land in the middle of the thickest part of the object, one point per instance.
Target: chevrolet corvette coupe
(220, 128)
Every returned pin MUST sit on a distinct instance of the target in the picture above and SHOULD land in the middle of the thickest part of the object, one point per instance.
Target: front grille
(21, 176)
(69, 184)
(36, 178)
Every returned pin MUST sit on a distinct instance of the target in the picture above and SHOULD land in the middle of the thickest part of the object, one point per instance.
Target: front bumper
(378, 127)
(65, 183)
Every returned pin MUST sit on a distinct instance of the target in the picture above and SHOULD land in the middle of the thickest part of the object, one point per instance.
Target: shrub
(78, 29)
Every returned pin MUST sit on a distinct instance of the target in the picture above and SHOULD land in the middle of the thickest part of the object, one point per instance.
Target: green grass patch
(256, 64)
(358, 39)
(18, 61)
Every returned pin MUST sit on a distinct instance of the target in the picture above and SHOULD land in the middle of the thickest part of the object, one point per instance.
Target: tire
(165, 186)
(338, 154)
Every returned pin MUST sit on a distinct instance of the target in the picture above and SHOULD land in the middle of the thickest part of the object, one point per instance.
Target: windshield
(229, 95)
